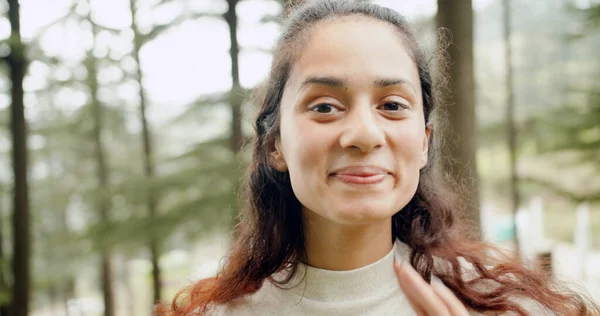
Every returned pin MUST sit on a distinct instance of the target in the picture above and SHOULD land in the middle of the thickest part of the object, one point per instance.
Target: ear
(277, 160)
(425, 149)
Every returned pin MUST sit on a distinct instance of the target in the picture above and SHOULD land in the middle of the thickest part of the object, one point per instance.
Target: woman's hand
(425, 299)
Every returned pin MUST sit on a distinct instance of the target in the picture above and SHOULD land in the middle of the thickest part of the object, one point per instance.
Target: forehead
(357, 48)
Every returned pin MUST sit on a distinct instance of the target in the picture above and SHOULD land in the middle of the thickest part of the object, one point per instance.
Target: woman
(344, 178)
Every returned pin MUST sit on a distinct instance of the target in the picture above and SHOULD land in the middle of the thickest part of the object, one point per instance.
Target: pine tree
(21, 262)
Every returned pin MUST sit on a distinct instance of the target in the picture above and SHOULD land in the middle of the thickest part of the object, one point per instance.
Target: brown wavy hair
(270, 234)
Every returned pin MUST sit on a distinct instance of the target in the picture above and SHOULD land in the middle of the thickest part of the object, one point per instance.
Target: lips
(360, 174)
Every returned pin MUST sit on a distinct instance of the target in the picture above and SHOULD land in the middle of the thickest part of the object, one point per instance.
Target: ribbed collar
(339, 286)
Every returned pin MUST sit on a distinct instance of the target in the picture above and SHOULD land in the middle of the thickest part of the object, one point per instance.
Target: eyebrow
(325, 81)
(386, 82)
(335, 82)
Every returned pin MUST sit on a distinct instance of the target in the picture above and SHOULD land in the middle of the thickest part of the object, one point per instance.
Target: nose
(362, 131)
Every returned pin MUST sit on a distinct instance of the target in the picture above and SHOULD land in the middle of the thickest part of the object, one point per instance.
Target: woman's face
(353, 135)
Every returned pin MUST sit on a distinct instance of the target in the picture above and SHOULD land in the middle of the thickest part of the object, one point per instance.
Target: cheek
(309, 153)
(305, 151)
(407, 144)
(407, 148)
(305, 147)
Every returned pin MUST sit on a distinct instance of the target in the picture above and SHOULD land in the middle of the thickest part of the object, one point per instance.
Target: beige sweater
(370, 290)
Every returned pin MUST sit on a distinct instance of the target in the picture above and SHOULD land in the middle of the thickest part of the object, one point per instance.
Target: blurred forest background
(122, 124)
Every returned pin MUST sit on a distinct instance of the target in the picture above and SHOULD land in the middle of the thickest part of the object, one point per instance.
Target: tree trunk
(236, 95)
(148, 159)
(510, 123)
(236, 89)
(102, 174)
(68, 293)
(107, 286)
(4, 306)
(457, 16)
(21, 234)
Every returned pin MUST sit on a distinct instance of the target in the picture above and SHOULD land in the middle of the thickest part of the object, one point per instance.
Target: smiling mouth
(360, 179)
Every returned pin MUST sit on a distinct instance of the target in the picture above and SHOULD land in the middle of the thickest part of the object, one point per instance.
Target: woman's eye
(324, 108)
(393, 106)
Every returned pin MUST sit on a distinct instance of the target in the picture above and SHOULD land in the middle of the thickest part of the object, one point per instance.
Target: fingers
(414, 303)
(426, 299)
(419, 293)
(406, 288)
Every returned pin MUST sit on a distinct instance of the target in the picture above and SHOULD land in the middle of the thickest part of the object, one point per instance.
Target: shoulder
(265, 301)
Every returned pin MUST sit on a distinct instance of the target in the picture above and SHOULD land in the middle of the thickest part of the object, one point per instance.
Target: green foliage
(593, 16)
(574, 130)
(198, 192)
(555, 98)
(197, 188)
(64, 176)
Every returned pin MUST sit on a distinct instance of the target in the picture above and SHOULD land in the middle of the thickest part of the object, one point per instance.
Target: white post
(536, 224)
(523, 219)
(582, 236)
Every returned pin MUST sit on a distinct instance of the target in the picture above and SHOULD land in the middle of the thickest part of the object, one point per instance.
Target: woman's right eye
(324, 108)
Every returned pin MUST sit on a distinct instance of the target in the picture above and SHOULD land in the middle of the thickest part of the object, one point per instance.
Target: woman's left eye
(393, 106)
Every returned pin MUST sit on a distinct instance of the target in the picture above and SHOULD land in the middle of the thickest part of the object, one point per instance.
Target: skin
(425, 299)
(354, 102)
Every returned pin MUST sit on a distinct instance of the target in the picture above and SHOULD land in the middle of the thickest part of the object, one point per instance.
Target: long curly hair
(270, 236)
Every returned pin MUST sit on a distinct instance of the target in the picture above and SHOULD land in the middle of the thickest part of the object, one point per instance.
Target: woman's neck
(334, 246)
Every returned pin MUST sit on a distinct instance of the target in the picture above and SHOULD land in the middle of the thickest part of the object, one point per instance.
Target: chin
(363, 212)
